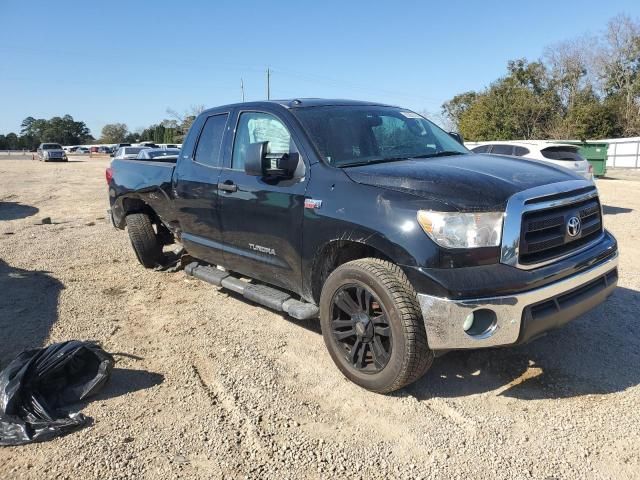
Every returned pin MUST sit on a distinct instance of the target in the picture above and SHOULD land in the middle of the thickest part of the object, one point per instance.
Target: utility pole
(268, 84)
(242, 89)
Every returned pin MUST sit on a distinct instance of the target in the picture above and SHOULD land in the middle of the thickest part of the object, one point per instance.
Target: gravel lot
(210, 386)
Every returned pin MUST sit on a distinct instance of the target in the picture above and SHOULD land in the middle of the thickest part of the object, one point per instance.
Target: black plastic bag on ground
(38, 383)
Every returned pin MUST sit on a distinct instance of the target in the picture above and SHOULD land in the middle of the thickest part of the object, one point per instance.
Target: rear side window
(208, 149)
(502, 149)
(481, 149)
(521, 151)
(562, 153)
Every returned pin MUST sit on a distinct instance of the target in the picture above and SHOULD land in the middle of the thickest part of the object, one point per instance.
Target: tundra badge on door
(260, 248)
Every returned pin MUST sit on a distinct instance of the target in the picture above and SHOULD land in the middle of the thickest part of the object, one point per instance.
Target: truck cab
(405, 243)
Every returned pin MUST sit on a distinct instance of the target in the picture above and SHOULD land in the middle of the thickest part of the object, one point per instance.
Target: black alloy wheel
(361, 325)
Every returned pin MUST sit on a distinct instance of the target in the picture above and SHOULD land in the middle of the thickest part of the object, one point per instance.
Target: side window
(254, 127)
(521, 151)
(502, 150)
(189, 142)
(481, 149)
(208, 149)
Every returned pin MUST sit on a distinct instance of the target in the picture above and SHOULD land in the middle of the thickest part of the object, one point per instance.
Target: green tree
(132, 137)
(114, 133)
(519, 105)
(583, 88)
(169, 135)
(618, 69)
(158, 134)
(12, 141)
(590, 118)
(454, 109)
(148, 134)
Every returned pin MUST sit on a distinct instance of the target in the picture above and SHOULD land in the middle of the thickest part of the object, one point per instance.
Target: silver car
(51, 152)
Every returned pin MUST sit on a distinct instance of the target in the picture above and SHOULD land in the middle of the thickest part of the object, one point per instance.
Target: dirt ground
(208, 385)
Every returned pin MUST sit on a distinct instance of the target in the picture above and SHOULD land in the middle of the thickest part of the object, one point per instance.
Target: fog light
(480, 323)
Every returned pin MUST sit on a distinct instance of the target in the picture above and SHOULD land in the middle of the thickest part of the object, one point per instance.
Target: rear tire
(372, 325)
(144, 239)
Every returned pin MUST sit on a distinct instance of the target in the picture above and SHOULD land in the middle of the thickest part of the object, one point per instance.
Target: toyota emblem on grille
(574, 226)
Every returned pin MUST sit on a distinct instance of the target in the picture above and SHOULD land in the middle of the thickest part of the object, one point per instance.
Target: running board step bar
(261, 294)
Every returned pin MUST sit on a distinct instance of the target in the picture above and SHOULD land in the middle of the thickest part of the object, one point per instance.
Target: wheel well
(135, 205)
(335, 254)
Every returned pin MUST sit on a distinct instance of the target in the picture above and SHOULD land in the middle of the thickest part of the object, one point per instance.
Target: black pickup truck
(402, 241)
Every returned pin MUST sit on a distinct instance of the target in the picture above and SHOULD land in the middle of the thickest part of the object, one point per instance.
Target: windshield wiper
(444, 153)
(377, 160)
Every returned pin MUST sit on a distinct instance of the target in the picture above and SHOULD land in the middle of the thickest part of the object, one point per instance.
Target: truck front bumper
(516, 318)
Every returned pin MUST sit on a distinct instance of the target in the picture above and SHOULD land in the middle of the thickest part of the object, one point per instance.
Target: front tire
(144, 239)
(372, 325)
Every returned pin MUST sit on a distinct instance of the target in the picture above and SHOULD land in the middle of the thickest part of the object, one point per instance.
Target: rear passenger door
(195, 186)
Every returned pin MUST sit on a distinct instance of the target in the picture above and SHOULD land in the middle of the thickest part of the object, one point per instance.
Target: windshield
(51, 146)
(354, 135)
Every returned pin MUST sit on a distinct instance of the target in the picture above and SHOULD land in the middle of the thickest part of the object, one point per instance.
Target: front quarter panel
(351, 212)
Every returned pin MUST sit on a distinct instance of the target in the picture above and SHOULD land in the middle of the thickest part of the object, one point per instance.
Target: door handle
(228, 186)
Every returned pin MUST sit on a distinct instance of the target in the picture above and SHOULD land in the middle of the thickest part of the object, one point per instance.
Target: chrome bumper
(444, 318)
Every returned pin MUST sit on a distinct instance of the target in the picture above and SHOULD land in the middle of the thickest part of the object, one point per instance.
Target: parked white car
(561, 154)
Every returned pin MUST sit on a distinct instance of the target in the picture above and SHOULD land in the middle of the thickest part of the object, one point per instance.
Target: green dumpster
(595, 153)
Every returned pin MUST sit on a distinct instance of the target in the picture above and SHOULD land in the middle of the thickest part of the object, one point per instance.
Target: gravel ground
(210, 386)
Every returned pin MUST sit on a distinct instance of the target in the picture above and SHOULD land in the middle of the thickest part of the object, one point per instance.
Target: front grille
(545, 233)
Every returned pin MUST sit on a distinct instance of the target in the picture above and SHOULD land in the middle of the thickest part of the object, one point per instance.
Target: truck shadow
(596, 354)
(16, 210)
(28, 309)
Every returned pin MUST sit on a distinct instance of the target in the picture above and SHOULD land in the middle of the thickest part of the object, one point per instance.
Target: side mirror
(457, 137)
(254, 159)
(282, 165)
(259, 163)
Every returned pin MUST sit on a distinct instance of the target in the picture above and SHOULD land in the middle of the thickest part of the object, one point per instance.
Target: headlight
(462, 230)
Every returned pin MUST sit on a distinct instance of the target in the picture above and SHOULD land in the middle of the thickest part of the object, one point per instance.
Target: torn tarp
(38, 383)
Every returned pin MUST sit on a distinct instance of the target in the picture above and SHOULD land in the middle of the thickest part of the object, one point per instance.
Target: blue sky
(128, 61)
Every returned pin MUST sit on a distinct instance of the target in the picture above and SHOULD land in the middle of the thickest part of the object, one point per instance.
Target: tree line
(67, 131)
(64, 130)
(172, 130)
(584, 88)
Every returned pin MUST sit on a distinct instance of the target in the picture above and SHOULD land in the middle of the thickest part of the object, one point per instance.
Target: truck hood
(461, 182)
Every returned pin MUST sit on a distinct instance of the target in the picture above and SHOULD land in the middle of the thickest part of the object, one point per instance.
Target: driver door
(261, 217)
